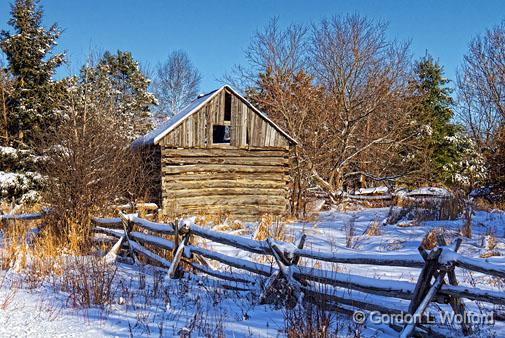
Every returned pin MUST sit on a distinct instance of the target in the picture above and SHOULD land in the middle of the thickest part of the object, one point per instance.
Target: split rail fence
(436, 281)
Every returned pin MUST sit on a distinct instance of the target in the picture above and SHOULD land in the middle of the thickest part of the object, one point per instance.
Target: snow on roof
(165, 127)
(155, 135)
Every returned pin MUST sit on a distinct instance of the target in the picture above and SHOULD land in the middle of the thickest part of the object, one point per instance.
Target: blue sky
(216, 33)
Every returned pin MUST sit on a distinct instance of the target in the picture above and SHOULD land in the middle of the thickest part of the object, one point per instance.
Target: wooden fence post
(111, 256)
(284, 262)
(433, 268)
(128, 227)
(424, 280)
(409, 328)
(184, 229)
(177, 257)
(457, 304)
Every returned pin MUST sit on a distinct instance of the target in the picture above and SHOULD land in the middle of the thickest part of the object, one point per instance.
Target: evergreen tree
(33, 103)
(434, 116)
(122, 84)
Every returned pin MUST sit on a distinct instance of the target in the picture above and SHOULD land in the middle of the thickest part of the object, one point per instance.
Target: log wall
(245, 183)
(246, 178)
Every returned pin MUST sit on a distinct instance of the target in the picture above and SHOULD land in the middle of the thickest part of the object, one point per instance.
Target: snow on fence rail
(22, 217)
(305, 283)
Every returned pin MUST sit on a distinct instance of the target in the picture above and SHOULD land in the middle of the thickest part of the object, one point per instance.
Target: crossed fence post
(425, 292)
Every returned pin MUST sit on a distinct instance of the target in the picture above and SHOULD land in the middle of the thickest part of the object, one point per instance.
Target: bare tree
(344, 93)
(368, 106)
(89, 162)
(176, 83)
(481, 86)
(481, 98)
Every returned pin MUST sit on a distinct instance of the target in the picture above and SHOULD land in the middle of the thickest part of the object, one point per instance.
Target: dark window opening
(247, 136)
(220, 134)
(227, 106)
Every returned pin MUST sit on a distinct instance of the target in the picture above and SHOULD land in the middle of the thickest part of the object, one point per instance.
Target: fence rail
(137, 234)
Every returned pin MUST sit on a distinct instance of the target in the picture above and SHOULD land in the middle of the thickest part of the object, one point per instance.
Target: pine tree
(30, 99)
(121, 82)
(33, 104)
(434, 117)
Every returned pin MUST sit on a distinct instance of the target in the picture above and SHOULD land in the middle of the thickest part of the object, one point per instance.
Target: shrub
(89, 281)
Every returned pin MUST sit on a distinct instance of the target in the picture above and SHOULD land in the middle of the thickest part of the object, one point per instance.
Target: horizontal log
(223, 200)
(239, 263)
(143, 206)
(251, 176)
(149, 254)
(235, 286)
(494, 297)
(369, 198)
(103, 240)
(234, 277)
(161, 228)
(213, 152)
(153, 240)
(251, 161)
(237, 208)
(216, 168)
(22, 217)
(383, 259)
(113, 222)
(251, 245)
(383, 287)
(175, 185)
(367, 303)
(475, 264)
(111, 232)
(242, 213)
(228, 192)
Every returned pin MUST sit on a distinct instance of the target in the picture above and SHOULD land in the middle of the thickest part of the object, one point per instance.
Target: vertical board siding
(196, 130)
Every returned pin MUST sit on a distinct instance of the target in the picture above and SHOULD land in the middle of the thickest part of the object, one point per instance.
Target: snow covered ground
(146, 304)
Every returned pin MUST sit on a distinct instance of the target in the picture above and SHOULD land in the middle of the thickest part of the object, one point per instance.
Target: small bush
(271, 227)
(350, 233)
(373, 228)
(310, 322)
(89, 282)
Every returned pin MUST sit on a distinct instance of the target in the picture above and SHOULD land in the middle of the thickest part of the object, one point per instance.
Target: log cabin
(219, 155)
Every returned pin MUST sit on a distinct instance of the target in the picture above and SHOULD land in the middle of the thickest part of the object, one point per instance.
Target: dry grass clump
(271, 226)
(484, 204)
(219, 217)
(350, 232)
(14, 237)
(466, 229)
(54, 258)
(489, 242)
(430, 239)
(313, 320)
(89, 281)
(227, 226)
(488, 254)
(431, 208)
(373, 228)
